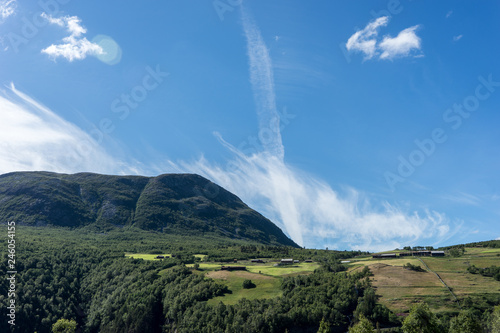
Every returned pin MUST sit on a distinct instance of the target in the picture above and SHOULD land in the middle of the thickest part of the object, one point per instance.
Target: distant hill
(185, 204)
(490, 243)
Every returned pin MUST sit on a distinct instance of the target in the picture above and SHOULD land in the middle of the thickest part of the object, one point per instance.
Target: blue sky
(352, 125)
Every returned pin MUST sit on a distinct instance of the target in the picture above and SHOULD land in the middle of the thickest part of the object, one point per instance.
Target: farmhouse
(296, 261)
(286, 261)
(160, 257)
(233, 268)
(308, 260)
(437, 253)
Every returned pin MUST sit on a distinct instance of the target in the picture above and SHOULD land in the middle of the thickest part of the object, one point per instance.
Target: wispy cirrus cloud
(463, 198)
(74, 47)
(313, 213)
(32, 137)
(405, 44)
(262, 80)
(457, 38)
(7, 8)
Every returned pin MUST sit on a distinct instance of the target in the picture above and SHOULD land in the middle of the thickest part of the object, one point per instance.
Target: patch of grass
(208, 266)
(265, 286)
(265, 269)
(201, 256)
(145, 256)
(283, 270)
(392, 262)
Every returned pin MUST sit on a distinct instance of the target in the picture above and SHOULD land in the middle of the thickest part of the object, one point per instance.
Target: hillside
(184, 204)
(445, 283)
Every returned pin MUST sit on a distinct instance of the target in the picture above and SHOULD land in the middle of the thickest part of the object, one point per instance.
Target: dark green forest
(84, 276)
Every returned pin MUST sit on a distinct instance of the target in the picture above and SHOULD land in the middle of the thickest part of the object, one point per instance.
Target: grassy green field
(399, 288)
(266, 286)
(266, 277)
(280, 271)
(265, 269)
(144, 256)
(147, 256)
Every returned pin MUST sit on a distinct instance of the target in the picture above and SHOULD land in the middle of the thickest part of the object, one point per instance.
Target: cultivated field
(399, 288)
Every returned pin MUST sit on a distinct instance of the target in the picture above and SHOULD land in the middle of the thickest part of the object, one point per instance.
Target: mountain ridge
(171, 203)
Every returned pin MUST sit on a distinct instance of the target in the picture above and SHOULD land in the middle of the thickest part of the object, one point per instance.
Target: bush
(415, 268)
(248, 284)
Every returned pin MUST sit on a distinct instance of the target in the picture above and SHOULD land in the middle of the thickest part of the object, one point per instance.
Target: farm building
(233, 268)
(437, 253)
(160, 257)
(260, 261)
(296, 261)
(308, 260)
(405, 254)
(286, 261)
(422, 253)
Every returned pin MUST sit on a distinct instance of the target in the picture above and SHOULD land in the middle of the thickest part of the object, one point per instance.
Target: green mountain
(185, 204)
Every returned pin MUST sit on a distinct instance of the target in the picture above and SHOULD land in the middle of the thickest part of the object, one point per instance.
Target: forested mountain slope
(173, 203)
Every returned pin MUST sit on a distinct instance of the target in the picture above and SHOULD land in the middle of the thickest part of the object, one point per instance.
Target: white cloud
(74, 46)
(402, 45)
(32, 137)
(7, 8)
(364, 40)
(457, 38)
(449, 13)
(262, 80)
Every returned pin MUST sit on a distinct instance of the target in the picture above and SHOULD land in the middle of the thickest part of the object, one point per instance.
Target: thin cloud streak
(262, 80)
(32, 137)
(463, 198)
